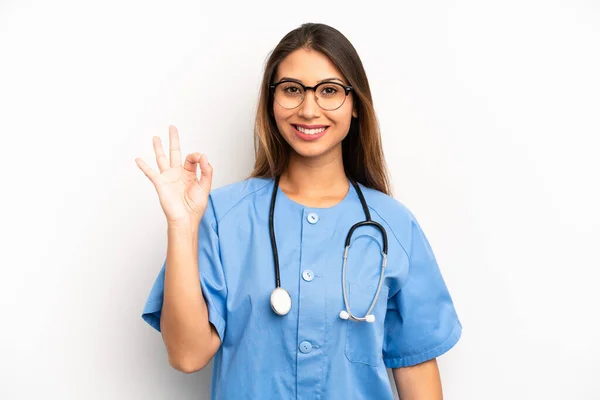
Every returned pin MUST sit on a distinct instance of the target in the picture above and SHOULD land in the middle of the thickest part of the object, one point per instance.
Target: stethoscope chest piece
(346, 315)
(281, 301)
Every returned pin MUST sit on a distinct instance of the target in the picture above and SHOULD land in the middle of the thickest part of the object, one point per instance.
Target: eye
(290, 89)
(329, 90)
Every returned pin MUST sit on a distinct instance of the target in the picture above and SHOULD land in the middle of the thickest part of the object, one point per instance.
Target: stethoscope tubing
(347, 314)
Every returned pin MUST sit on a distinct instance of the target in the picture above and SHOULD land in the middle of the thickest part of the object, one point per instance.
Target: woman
(259, 274)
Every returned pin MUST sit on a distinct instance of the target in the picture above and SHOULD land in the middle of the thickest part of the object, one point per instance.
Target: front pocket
(364, 340)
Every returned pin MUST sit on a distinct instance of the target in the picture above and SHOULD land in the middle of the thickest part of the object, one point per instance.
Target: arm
(191, 340)
(419, 382)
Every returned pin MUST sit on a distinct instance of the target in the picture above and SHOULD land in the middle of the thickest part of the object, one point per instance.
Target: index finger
(174, 150)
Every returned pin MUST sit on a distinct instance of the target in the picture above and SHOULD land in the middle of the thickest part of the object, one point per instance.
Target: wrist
(183, 225)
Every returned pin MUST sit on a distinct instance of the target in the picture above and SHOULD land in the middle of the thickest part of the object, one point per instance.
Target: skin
(315, 177)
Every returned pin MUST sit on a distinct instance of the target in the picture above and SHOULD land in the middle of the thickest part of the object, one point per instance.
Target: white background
(489, 115)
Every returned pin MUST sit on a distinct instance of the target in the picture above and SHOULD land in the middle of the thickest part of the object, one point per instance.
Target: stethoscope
(281, 301)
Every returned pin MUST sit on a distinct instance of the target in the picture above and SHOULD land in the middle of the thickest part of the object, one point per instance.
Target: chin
(308, 154)
(310, 150)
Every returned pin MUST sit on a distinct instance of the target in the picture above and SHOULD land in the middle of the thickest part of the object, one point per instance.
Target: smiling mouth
(310, 131)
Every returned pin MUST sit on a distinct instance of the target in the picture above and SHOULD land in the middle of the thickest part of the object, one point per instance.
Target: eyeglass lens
(329, 96)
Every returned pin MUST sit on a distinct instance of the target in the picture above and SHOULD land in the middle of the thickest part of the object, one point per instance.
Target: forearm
(419, 382)
(187, 333)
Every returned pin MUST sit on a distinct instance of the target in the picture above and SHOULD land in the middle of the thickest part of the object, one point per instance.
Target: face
(309, 67)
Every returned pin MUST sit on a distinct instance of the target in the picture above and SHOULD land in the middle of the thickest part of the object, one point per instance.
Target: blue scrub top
(311, 353)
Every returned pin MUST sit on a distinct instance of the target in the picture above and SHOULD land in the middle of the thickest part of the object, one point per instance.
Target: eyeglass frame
(347, 90)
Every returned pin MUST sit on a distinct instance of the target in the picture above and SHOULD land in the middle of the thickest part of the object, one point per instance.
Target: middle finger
(175, 151)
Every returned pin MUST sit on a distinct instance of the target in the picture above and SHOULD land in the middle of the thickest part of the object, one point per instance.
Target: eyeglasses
(329, 95)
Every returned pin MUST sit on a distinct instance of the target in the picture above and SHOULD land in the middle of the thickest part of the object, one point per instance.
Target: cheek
(343, 127)
(343, 119)
(280, 113)
(281, 117)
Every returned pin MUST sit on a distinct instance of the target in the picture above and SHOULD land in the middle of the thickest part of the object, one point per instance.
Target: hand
(182, 196)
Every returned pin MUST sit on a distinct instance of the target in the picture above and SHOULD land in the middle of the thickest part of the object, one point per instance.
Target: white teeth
(310, 131)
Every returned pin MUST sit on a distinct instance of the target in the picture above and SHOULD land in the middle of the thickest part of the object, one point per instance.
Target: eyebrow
(333, 78)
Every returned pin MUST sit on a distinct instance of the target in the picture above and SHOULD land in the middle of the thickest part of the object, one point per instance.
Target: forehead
(308, 66)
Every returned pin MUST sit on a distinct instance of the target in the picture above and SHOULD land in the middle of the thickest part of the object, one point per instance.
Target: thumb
(206, 173)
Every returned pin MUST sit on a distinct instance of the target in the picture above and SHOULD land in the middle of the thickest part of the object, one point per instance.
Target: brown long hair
(361, 149)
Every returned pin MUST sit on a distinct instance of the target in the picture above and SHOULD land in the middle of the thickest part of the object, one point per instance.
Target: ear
(354, 113)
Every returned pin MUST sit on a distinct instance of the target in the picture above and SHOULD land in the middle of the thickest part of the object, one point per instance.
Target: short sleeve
(421, 322)
(212, 279)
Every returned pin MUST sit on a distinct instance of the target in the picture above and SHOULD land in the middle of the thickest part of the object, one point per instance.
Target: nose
(309, 108)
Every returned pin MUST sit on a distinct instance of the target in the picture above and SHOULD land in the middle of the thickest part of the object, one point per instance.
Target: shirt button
(305, 347)
(312, 218)
(308, 275)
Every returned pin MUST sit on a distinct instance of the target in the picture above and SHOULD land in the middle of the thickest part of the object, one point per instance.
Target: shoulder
(226, 198)
(393, 214)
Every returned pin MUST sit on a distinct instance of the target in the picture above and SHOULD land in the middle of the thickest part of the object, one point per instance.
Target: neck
(315, 180)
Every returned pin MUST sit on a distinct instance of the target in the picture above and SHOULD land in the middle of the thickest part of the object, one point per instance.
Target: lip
(306, 137)
(311, 126)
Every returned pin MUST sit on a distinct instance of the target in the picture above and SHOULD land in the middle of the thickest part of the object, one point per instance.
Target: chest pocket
(364, 340)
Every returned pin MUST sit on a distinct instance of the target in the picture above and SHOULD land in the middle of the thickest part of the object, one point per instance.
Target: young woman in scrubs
(212, 297)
